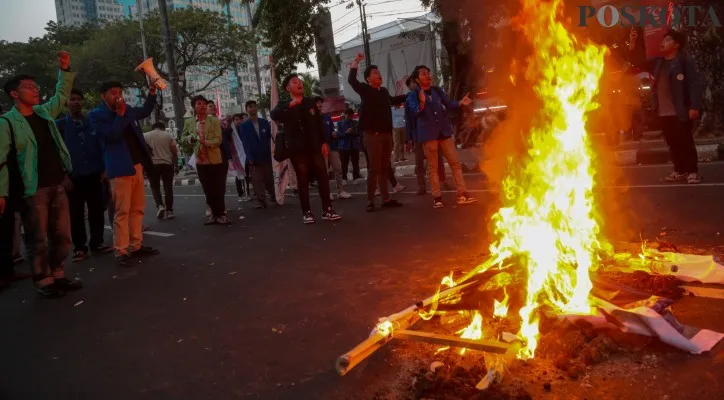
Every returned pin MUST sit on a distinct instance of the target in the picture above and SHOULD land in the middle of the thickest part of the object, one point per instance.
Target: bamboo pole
(401, 320)
(488, 346)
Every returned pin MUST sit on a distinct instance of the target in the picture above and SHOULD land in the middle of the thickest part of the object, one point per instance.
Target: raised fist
(63, 59)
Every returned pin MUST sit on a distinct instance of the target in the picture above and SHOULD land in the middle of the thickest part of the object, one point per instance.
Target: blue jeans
(47, 233)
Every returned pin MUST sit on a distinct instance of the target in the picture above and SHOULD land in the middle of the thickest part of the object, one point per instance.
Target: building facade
(224, 90)
(79, 12)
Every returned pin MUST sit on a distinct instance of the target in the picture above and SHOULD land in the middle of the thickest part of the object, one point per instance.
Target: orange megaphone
(147, 68)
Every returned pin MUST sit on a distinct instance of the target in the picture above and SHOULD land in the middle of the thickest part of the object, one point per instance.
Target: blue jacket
(348, 141)
(432, 122)
(110, 126)
(685, 83)
(328, 130)
(256, 147)
(84, 146)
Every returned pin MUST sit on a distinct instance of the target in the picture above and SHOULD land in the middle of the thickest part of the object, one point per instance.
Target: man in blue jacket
(435, 132)
(349, 144)
(256, 137)
(676, 98)
(411, 130)
(334, 159)
(126, 157)
(86, 154)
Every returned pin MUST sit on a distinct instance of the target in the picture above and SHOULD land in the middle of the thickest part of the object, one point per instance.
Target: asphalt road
(261, 309)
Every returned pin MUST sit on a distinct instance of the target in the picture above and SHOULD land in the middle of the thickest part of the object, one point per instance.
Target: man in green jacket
(34, 176)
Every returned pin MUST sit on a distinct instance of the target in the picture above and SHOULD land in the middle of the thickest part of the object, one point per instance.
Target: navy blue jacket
(348, 141)
(110, 126)
(328, 130)
(685, 83)
(84, 146)
(256, 147)
(410, 124)
(432, 122)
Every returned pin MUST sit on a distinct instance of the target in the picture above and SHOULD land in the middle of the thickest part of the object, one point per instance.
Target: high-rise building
(79, 12)
(223, 90)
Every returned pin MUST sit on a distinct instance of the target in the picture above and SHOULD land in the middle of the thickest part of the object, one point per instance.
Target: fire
(500, 308)
(473, 331)
(385, 328)
(548, 221)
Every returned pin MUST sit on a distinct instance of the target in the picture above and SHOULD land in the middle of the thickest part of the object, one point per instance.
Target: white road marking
(151, 233)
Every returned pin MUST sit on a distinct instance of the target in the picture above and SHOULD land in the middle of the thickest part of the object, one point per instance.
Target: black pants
(262, 176)
(87, 191)
(346, 156)
(304, 165)
(7, 233)
(378, 147)
(241, 186)
(162, 172)
(679, 137)
(213, 181)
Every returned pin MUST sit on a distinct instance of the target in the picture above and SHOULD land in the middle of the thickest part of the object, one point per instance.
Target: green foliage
(311, 85)
(204, 42)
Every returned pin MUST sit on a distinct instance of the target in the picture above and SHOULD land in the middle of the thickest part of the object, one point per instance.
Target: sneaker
(223, 220)
(437, 203)
(210, 220)
(66, 285)
(693, 179)
(79, 256)
(123, 259)
(240, 200)
(465, 199)
(308, 218)
(145, 228)
(145, 251)
(398, 188)
(344, 195)
(208, 212)
(161, 213)
(421, 192)
(170, 214)
(676, 177)
(102, 249)
(51, 291)
(389, 203)
(331, 215)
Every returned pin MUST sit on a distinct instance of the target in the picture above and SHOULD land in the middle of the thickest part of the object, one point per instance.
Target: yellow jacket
(212, 134)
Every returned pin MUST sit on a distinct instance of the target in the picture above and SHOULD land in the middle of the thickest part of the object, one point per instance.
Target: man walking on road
(164, 155)
(676, 96)
(376, 122)
(126, 157)
(349, 144)
(86, 154)
(398, 133)
(411, 131)
(34, 164)
(435, 133)
(306, 145)
(256, 138)
(334, 159)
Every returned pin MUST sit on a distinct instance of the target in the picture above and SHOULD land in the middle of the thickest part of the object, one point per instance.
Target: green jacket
(212, 133)
(25, 139)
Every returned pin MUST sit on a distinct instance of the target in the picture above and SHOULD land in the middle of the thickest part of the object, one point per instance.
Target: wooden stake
(400, 321)
(488, 346)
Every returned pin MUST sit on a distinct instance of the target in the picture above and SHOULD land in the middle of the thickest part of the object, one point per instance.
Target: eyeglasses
(30, 86)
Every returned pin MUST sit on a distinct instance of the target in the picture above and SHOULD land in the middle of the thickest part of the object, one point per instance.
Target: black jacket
(302, 124)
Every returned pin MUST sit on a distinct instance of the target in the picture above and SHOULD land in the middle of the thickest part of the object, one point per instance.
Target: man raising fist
(34, 168)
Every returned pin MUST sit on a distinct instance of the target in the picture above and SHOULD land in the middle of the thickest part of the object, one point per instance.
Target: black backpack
(16, 187)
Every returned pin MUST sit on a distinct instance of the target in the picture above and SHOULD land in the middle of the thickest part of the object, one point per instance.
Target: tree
(311, 85)
(290, 33)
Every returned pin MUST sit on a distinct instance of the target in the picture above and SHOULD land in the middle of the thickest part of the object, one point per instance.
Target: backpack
(16, 187)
